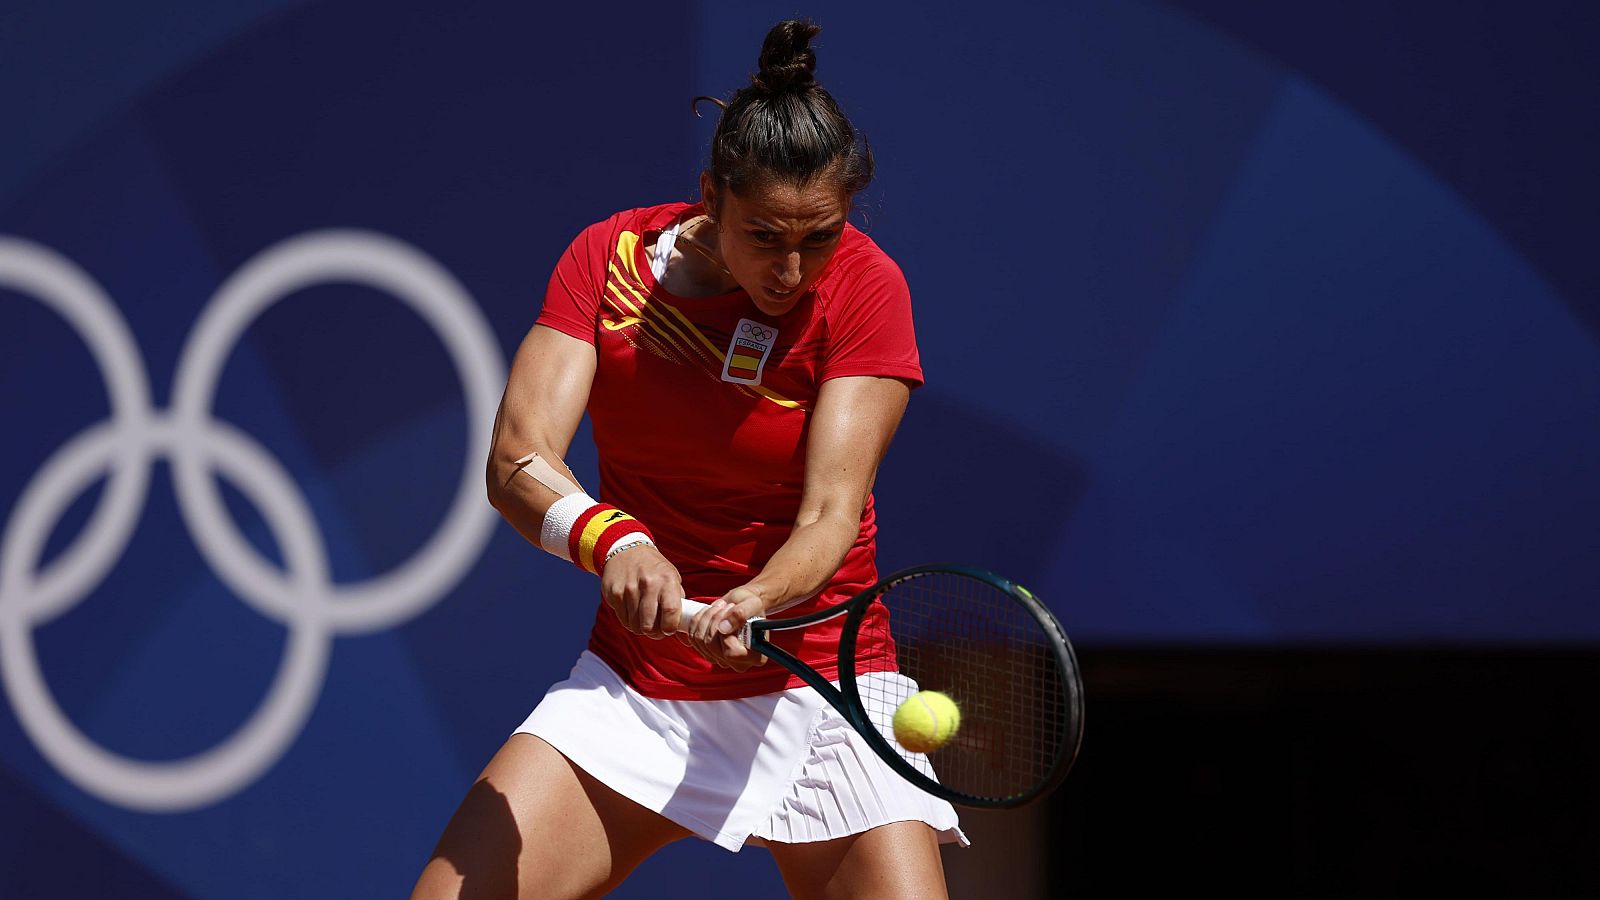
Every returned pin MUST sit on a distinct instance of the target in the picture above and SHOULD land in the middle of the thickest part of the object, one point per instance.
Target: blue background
(1276, 326)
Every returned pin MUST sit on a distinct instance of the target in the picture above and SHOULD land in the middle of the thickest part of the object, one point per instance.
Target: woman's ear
(708, 195)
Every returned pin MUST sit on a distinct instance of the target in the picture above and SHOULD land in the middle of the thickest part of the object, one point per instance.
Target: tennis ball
(926, 721)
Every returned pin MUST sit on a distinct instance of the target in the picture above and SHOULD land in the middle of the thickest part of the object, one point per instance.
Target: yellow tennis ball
(926, 721)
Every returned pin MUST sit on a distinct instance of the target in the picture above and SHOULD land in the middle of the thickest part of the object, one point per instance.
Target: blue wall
(1286, 328)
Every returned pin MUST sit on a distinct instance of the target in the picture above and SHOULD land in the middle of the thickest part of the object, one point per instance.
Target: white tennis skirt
(782, 767)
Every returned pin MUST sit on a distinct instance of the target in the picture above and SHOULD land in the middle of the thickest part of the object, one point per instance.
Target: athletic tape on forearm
(582, 530)
(534, 466)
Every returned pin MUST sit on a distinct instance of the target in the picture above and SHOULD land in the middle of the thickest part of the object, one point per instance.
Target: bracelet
(628, 542)
(582, 530)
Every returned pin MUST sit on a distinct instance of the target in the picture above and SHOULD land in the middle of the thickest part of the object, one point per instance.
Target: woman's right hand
(644, 590)
(714, 632)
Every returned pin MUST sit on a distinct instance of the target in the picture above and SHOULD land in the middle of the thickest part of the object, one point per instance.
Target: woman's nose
(789, 270)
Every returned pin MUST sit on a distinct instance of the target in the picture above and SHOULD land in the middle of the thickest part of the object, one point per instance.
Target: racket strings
(976, 643)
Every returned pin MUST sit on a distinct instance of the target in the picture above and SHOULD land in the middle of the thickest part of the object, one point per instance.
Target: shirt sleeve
(572, 300)
(870, 331)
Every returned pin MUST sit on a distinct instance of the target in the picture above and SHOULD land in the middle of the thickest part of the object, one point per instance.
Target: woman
(745, 362)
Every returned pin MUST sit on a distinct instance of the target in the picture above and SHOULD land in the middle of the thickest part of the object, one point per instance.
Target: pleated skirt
(782, 767)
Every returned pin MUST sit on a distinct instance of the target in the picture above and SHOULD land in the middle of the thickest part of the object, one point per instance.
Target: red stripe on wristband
(595, 530)
(575, 536)
(608, 539)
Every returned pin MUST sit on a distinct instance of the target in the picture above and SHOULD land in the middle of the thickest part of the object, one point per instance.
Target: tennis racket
(981, 639)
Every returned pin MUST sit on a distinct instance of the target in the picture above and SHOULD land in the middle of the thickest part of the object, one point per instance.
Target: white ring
(304, 598)
(389, 265)
(30, 268)
(217, 773)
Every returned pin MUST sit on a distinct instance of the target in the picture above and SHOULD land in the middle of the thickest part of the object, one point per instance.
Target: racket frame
(847, 698)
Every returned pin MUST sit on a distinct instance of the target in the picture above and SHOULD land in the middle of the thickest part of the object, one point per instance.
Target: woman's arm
(850, 428)
(544, 400)
(539, 413)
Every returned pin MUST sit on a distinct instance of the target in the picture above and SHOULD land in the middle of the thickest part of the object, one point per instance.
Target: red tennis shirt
(699, 410)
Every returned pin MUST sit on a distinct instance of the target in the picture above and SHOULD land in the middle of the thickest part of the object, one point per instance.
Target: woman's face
(777, 238)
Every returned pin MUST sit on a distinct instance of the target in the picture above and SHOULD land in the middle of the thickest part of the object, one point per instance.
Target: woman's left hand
(715, 632)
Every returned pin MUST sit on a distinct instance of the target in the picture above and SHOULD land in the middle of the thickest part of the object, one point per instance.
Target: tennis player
(744, 362)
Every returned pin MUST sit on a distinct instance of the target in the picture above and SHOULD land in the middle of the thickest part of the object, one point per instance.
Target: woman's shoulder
(641, 218)
(860, 263)
(599, 240)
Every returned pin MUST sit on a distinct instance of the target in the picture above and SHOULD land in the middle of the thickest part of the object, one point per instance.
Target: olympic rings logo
(303, 596)
(756, 331)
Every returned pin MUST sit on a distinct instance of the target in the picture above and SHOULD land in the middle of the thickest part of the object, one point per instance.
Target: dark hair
(783, 125)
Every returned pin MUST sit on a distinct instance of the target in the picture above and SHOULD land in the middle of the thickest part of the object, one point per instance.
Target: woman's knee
(900, 859)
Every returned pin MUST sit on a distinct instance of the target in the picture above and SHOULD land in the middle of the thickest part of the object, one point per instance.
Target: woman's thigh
(534, 824)
(896, 860)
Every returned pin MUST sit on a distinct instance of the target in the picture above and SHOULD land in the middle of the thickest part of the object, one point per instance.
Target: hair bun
(787, 61)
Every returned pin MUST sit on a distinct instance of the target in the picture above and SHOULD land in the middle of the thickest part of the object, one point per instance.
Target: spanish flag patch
(748, 350)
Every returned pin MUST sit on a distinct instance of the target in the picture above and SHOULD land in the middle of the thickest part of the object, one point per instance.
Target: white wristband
(558, 522)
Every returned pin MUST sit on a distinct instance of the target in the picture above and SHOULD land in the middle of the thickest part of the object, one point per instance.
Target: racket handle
(692, 608)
